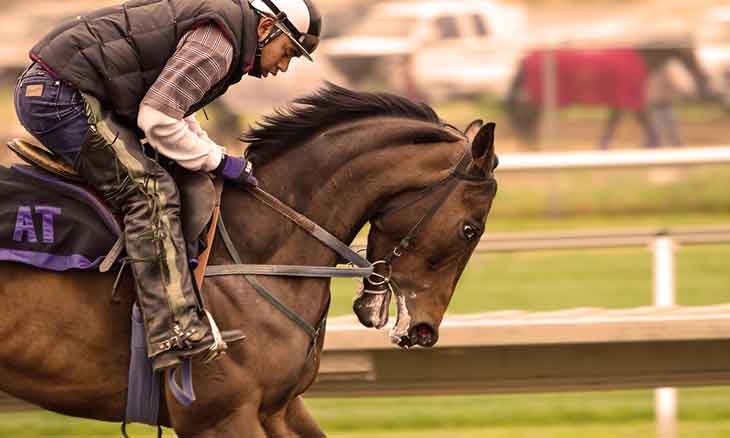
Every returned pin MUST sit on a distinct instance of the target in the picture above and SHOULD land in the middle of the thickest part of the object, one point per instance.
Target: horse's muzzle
(423, 335)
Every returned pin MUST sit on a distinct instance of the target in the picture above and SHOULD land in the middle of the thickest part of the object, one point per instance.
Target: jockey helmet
(299, 20)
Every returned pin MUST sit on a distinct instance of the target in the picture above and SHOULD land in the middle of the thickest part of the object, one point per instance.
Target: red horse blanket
(611, 77)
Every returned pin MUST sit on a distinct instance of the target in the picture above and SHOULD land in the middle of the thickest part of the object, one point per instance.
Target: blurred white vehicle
(713, 48)
(442, 48)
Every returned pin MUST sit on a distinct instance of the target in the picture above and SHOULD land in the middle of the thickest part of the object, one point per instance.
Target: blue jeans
(52, 111)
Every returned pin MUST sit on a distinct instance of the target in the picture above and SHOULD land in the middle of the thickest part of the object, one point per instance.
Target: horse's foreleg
(243, 422)
(293, 421)
(301, 421)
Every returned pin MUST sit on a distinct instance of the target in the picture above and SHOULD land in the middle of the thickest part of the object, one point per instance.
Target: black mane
(327, 107)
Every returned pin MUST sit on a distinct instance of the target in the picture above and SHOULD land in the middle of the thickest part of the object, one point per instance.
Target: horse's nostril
(425, 335)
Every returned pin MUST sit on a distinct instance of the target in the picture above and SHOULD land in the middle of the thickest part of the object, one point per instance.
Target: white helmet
(297, 19)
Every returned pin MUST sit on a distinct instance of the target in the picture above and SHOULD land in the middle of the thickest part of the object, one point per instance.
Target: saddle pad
(52, 224)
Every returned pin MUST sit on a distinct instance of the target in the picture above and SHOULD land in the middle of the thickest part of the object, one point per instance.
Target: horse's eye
(470, 232)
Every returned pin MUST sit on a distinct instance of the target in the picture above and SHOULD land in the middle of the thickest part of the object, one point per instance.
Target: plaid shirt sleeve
(202, 59)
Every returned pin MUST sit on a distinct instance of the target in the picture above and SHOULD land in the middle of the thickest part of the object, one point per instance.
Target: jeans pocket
(39, 108)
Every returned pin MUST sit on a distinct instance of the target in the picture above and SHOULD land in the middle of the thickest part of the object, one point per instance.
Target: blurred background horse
(614, 78)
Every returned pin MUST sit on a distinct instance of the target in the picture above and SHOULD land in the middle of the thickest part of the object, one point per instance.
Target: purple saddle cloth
(52, 224)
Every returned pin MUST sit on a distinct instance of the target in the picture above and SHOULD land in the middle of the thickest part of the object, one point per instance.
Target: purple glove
(238, 170)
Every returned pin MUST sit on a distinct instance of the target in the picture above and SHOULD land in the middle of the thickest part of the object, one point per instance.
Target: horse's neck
(338, 181)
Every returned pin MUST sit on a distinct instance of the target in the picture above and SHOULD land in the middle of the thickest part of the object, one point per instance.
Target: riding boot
(112, 160)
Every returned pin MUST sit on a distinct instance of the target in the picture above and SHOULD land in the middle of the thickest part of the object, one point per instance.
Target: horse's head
(424, 240)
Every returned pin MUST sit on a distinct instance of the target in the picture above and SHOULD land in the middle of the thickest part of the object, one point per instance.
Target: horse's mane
(329, 106)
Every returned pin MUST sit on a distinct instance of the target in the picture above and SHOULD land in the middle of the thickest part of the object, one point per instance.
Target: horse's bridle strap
(407, 241)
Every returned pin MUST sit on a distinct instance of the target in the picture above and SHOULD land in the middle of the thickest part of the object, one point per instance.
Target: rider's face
(275, 56)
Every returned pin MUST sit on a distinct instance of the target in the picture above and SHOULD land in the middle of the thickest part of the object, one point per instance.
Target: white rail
(519, 162)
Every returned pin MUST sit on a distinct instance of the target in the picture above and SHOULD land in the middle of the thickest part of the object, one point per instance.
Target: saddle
(50, 219)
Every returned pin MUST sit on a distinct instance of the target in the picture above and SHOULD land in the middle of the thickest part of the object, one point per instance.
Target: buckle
(179, 341)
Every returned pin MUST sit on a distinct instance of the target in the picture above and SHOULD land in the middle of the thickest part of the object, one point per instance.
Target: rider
(101, 82)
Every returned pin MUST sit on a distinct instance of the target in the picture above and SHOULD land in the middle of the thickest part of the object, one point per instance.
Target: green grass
(702, 412)
(515, 411)
(613, 193)
(499, 224)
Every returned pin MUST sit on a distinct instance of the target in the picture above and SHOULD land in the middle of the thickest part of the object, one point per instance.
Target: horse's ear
(482, 148)
(473, 128)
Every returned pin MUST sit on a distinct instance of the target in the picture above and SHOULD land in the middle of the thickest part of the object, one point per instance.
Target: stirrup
(210, 351)
(219, 346)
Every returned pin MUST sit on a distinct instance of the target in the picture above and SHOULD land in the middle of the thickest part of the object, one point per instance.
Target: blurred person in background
(101, 82)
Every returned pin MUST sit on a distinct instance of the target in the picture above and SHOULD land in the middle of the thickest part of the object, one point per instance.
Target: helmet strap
(275, 32)
(256, 70)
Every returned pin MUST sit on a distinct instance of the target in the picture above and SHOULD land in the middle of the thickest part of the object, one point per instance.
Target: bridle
(384, 282)
(360, 267)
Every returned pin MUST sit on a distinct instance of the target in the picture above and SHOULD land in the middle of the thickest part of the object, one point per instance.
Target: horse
(341, 158)
(616, 78)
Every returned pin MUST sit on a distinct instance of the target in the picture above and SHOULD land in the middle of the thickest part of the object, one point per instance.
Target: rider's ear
(266, 26)
(482, 149)
(472, 130)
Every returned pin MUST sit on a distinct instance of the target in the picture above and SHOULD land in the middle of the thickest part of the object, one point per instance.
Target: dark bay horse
(341, 158)
(614, 78)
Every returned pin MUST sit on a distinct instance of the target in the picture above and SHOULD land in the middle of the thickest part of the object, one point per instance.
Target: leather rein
(360, 267)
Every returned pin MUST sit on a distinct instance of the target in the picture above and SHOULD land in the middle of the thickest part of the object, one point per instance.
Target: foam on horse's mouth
(372, 311)
(399, 334)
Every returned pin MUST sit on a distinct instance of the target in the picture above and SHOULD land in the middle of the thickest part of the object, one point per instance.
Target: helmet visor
(306, 44)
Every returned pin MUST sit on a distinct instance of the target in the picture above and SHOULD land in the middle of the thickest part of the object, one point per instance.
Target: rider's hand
(237, 170)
